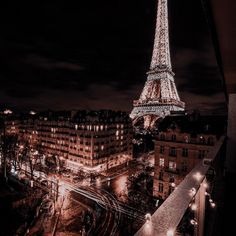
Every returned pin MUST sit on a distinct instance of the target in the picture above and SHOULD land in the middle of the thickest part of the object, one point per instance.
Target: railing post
(231, 134)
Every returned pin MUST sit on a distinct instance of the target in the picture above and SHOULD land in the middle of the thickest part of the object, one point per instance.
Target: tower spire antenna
(159, 96)
(161, 49)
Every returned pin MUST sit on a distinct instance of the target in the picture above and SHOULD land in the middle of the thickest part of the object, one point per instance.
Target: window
(186, 139)
(162, 149)
(202, 139)
(160, 188)
(161, 174)
(172, 179)
(172, 152)
(173, 137)
(184, 166)
(161, 162)
(172, 165)
(162, 137)
(210, 141)
(171, 189)
(185, 152)
(201, 154)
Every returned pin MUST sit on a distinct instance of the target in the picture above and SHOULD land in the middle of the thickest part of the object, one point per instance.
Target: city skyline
(76, 159)
(65, 62)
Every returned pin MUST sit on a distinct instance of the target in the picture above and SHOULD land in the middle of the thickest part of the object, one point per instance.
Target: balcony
(161, 102)
(175, 216)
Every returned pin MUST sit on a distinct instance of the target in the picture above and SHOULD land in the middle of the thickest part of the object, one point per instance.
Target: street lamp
(170, 232)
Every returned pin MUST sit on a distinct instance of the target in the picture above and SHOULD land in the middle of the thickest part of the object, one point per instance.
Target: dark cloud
(65, 55)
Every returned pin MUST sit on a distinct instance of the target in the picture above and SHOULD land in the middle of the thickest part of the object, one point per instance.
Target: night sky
(95, 54)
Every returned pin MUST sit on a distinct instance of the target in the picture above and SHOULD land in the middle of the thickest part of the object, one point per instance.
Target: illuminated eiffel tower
(159, 96)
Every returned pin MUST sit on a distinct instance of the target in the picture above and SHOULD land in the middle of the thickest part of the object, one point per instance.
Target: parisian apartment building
(88, 140)
(182, 142)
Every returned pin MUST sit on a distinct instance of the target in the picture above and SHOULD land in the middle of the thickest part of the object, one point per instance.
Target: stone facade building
(88, 140)
(182, 142)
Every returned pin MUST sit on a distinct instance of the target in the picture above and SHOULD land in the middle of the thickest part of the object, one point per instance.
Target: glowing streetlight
(170, 232)
(205, 185)
(7, 112)
(194, 207)
(148, 217)
(213, 205)
(197, 176)
(193, 191)
(32, 113)
(193, 222)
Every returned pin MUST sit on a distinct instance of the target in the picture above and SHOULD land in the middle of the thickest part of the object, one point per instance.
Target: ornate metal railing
(161, 102)
(185, 209)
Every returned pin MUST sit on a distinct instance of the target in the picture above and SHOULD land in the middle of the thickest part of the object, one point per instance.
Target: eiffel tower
(159, 96)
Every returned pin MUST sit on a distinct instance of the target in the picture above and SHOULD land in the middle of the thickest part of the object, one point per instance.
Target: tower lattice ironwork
(159, 96)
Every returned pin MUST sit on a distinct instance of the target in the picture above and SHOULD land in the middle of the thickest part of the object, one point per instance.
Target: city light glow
(213, 205)
(170, 232)
(205, 185)
(197, 176)
(7, 112)
(148, 217)
(193, 222)
(194, 207)
(192, 192)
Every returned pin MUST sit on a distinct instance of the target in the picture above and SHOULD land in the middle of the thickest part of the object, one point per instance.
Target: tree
(28, 157)
(8, 153)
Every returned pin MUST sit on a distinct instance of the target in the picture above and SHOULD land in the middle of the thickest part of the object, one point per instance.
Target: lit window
(117, 133)
(172, 165)
(161, 162)
(186, 139)
(102, 147)
(76, 127)
(160, 187)
(202, 139)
